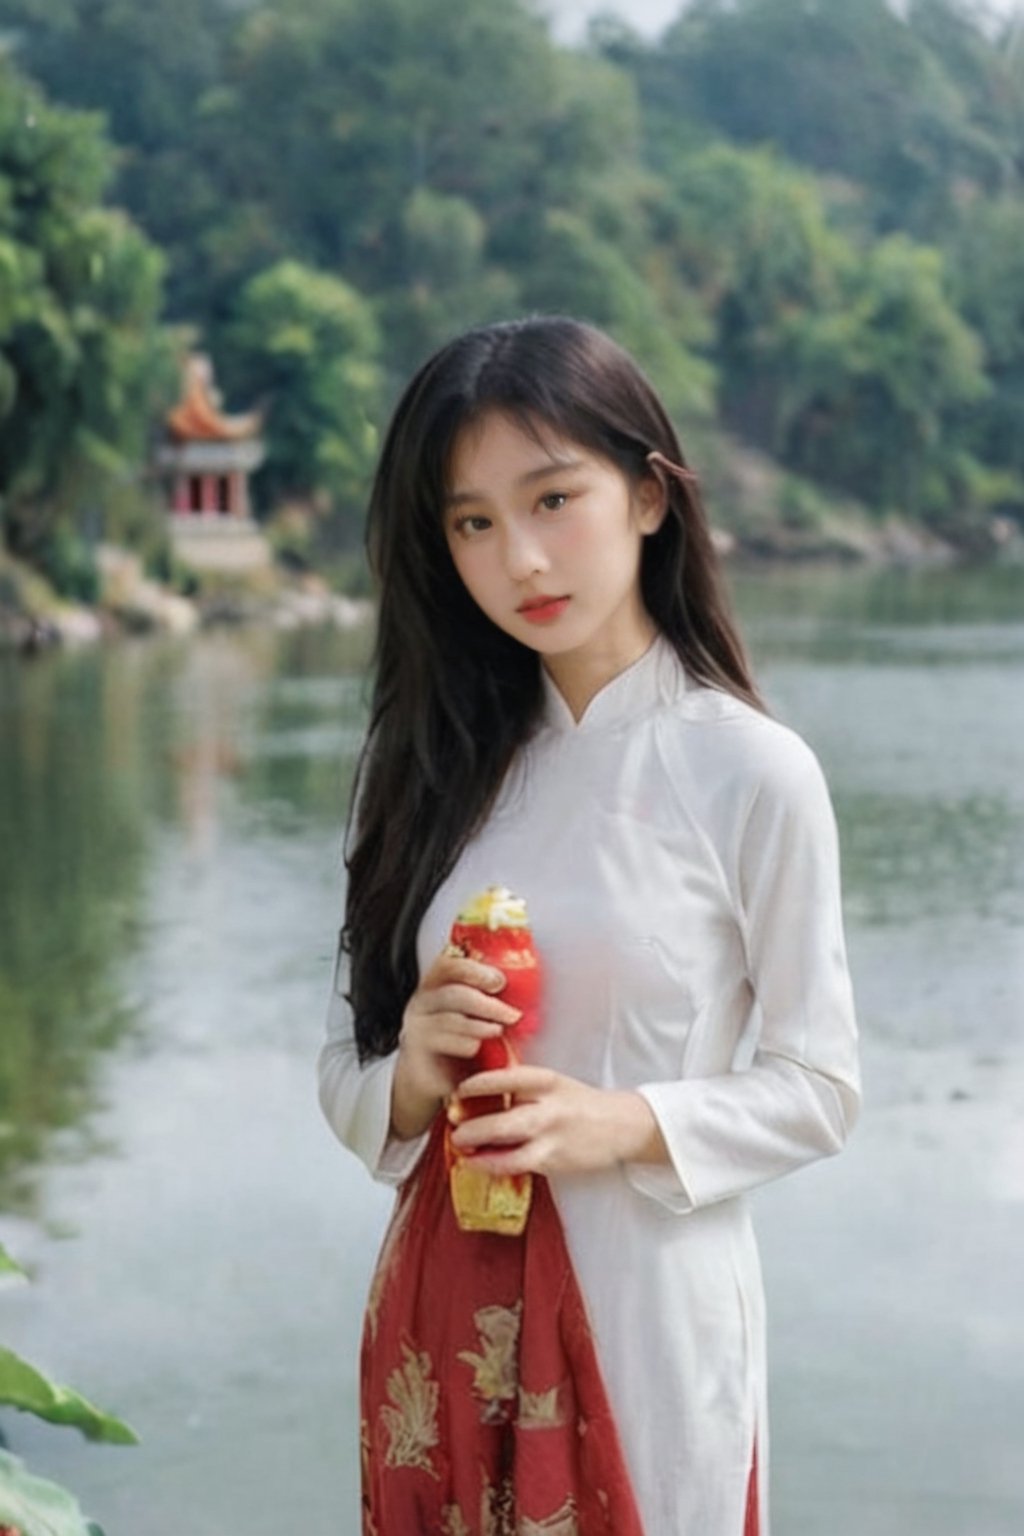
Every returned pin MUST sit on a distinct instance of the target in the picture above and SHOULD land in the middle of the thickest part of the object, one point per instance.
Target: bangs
(557, 381)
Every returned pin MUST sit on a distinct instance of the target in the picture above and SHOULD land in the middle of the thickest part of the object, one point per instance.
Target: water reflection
(972, 595)
(100, 752)
(298, 734)
(910, 858)
(884, 618)
(72, 851)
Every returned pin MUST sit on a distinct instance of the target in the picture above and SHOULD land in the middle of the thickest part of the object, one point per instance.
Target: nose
(524, 551)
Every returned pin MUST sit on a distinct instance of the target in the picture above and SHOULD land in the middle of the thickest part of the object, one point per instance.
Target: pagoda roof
(198, 415)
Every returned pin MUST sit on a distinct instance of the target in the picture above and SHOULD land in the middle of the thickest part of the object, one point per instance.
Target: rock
(315, 604)
(350, 612)
(909, 544)
(120, 574)
(26, 632)
(76, 625)
(147, 606)
(138, 603)
(178, 615)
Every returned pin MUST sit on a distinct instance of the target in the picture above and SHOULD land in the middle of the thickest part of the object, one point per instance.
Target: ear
(651, 498)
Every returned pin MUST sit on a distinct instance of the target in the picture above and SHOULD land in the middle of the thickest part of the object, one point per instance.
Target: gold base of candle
(489, 1202)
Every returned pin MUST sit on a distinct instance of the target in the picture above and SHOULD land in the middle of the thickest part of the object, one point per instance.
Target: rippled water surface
(170, 821)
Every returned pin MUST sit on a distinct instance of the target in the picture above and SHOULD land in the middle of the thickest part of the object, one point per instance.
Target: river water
(170, 818)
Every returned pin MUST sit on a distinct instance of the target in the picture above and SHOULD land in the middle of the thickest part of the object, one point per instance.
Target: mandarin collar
(655, 678)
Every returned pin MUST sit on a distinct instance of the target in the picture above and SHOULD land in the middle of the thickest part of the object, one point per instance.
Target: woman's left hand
(555, 1124)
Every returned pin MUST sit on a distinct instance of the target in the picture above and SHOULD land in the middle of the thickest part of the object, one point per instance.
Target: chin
(546, 643)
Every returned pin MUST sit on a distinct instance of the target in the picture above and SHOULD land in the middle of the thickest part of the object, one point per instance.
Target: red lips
(543, 610)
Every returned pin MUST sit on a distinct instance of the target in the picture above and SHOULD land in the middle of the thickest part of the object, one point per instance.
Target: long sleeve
(799, 1097)
(356, 1097)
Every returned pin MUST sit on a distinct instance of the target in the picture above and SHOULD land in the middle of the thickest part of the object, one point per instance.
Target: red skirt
(482, 1404)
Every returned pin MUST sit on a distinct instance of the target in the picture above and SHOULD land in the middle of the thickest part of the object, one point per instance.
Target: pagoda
(206, 459)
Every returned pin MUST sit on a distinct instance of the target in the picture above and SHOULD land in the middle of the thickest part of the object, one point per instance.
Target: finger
(471, 973)
(473, 1003)
(507, 1128)
(427, 1028)
(461, 1046)
(526, 1158)
(473, 1029)
(452, 1043)
(462, 1038)
(520, 1080)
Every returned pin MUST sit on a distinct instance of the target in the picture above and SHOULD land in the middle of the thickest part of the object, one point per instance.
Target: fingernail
(495, 980)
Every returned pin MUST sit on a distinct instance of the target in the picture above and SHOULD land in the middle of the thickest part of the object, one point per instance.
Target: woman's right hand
(452, 1011)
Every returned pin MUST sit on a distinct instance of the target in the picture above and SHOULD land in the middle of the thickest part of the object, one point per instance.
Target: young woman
(562, 706)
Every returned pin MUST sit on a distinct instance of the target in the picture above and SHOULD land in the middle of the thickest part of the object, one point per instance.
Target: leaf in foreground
(7, 1264)
(22, 1386)
(35, 1506)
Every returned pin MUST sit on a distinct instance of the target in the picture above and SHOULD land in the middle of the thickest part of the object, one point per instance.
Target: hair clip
(679, 471)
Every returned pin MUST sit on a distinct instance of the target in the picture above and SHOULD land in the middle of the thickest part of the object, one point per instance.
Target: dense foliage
(306, 344)
(81, 352)
(804, 215)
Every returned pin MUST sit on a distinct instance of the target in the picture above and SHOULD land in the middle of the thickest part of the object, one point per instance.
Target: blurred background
(806, 218)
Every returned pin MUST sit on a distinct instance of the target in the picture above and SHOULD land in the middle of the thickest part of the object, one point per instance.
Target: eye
(470, 524)
(554, 501)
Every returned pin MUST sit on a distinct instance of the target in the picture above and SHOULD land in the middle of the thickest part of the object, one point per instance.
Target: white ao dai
(678, 856)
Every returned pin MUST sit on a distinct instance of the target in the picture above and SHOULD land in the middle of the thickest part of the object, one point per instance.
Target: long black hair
(454, 696)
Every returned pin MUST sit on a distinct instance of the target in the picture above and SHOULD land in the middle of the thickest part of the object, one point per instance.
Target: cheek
(459, 550)
(573, 540)
(605, 545)
(472, 567)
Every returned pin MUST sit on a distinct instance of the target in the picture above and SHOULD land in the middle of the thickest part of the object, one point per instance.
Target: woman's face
(547, 535)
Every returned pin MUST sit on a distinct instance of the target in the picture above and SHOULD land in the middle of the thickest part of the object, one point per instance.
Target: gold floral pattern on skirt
(540, 1410)
(562, 1523)
(411, 1421)
(495, 1368)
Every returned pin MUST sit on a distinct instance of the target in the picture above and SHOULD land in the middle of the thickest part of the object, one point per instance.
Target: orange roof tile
(198, 414)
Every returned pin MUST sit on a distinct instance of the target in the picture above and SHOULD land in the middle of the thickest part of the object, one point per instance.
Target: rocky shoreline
(34, 618)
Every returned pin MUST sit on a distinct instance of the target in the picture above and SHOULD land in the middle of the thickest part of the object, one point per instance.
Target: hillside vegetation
(806, 219)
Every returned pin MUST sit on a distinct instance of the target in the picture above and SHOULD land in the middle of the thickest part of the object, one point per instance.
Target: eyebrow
(552, 467)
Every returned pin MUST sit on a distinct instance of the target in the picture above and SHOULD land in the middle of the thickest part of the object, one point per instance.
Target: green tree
(848, 362)
(986, 255)
(877, 382)
(573, 271)
(751, 235)
(361, 127)
(849, 89)
(449, 280)
(983, 63)
(307, 344)
(147, 68)
(82, 357)
(466, 97)
(322, 129)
